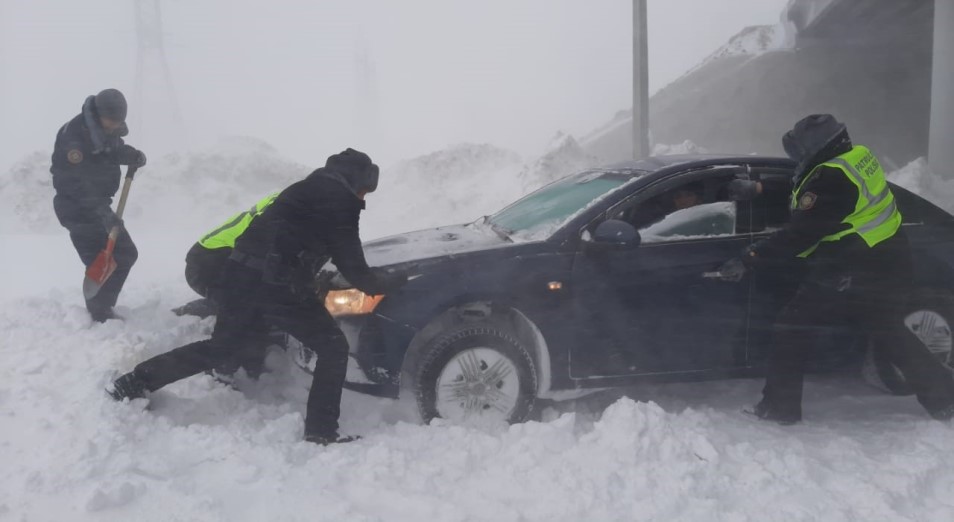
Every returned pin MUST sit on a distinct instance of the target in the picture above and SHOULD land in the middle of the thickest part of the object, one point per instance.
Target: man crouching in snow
(270, 282)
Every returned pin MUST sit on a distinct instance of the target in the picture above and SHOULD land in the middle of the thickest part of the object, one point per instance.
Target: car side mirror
(616, 233)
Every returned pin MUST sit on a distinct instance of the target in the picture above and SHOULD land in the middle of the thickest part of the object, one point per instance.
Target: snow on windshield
(538, 215)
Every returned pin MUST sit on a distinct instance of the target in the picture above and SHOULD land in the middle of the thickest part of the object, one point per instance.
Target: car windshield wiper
(501, 231)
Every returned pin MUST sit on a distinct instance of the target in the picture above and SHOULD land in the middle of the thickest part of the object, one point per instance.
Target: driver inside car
(656, 208)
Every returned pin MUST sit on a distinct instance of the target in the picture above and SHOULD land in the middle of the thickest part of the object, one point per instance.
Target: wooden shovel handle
(130, 172)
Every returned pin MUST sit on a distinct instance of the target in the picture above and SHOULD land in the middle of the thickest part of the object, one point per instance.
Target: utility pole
(151, 49)
(640, 82)
(366, 97)
(941, 141)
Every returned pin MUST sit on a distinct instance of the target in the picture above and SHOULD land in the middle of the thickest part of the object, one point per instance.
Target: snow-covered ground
(206, 452)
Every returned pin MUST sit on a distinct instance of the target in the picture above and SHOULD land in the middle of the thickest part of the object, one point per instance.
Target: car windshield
(540, 213)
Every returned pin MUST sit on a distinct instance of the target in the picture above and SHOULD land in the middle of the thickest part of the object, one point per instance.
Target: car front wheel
(476, 373)
(930, 317)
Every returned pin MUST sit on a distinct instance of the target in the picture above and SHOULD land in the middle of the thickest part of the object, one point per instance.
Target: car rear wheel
(930, 317)
(476, 373)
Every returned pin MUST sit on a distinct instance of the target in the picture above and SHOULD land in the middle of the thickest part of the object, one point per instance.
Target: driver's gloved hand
(743, 189)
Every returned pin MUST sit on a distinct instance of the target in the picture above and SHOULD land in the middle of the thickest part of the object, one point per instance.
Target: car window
(548, 208)
(687, 207)
(701, 221)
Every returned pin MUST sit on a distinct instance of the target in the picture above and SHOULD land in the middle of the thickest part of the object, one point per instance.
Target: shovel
(104, 265)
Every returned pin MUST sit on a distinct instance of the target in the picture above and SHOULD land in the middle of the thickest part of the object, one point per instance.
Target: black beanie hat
(110, 103)
(357, 169)
(813, 135)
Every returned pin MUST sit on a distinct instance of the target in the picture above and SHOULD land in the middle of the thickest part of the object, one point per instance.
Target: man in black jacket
(846, 227)
(270, 277)
(86, 161)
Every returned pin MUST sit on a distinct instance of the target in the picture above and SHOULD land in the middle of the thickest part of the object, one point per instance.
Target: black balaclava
(814, 140)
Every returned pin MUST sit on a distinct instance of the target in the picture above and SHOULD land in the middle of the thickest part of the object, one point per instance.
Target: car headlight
(351, 302)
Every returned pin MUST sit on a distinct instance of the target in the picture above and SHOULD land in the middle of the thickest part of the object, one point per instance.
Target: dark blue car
(603, 279)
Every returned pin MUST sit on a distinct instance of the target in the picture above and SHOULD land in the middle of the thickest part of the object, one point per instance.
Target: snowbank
(918, 178)
(192, 190)
(455, 185)
(206, 452)
(563, 156)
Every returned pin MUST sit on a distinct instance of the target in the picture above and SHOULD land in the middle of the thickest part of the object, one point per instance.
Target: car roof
(657, 163)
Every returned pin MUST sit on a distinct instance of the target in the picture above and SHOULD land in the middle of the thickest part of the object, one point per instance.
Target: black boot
(769, 412)
(325, 440)
(101, 315)
(128, 386)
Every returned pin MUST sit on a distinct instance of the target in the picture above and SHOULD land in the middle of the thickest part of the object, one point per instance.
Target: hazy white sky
(436, 72)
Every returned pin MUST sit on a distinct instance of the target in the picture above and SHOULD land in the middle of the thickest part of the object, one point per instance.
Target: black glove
(732, 270)
(109, 218)
(743, 189)
(129, 155)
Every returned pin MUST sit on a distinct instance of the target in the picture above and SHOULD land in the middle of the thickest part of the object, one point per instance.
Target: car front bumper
(377, 348)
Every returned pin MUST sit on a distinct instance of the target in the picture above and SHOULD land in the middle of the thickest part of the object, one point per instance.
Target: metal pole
(941, 144)
(640, 81)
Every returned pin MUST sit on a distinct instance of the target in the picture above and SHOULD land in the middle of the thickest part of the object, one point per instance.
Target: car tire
(476, 372)
(930, 317)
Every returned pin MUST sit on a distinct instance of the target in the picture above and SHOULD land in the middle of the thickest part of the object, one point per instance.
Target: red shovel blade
(97, 273)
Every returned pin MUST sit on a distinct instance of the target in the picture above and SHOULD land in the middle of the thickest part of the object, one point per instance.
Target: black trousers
(89, 238)
(873, 305)
(248, 308)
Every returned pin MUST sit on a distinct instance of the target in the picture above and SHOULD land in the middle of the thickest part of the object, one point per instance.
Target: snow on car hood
(435, 242)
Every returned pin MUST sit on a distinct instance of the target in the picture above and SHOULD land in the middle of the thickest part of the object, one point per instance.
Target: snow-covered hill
(563, 156)
(749, 42)
(453, 185)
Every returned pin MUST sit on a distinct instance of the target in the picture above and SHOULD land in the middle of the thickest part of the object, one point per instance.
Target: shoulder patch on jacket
(74, 156)
(807, 201)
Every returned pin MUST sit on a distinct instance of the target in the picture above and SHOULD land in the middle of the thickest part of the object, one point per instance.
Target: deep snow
(206, 452)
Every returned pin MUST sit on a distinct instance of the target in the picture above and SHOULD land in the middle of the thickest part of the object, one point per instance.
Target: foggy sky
(397, 78)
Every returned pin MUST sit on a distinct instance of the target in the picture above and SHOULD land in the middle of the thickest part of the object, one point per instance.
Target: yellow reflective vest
(225, 235)
(876, 217)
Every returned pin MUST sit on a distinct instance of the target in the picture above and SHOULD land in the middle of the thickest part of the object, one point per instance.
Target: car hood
(432, 243)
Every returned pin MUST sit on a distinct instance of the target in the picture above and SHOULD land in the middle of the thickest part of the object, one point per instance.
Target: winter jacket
(310, 222)
(834, 198)
(86, 168)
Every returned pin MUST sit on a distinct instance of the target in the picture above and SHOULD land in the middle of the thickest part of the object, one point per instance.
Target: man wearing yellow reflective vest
(205, 261)
(846, 225)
